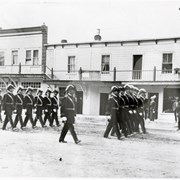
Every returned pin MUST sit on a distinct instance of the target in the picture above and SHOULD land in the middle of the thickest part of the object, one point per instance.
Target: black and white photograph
(90, 89)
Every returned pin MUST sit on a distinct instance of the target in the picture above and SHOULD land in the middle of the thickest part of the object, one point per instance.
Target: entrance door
(156, 100)
(137, 66)
(79, 95)
(103, 103)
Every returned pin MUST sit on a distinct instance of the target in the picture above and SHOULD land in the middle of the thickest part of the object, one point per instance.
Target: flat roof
(23, 30)
(118, 41)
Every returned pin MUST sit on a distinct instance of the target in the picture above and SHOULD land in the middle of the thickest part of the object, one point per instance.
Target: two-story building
(95, 66)
(23, 56)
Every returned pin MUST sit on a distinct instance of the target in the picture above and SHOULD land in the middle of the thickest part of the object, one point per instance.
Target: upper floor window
(32, 57)
(2, 58)
(71, 64)
(35, 57)
(167, 63)
(105, 66)
(14, 57)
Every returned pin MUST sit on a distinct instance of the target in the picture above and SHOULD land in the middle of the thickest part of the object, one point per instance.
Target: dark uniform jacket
(68, 108)
(38, 101)
(29, 103)
(8, 103)
(54, 101)
(19, 101)
(47, 104)
(113, 108)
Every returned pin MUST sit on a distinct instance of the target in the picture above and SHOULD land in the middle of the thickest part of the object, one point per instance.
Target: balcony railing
(115, 75)
(21, 69)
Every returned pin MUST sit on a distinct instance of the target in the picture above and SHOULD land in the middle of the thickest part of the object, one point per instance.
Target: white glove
(140, 114)
(134, 111)
(108, 117)
(130, 112)
(46, 110)
(64, 119)
(54, 110)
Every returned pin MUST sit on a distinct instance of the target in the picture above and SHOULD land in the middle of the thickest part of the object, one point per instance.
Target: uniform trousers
(70, 127)
(29, 117)
(8, 118)
(48, 117)
(54, 117)
(112, 125)
(18, 117)
(39, 116)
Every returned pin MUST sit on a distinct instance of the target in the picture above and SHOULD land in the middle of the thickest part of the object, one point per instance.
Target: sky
(78, 20)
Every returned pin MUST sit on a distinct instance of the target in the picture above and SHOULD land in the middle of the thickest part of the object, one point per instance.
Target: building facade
(94, 67)
(23, 56)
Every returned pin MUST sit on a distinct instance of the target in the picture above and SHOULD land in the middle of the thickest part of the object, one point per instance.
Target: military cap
(121, 88)
(127, 86)
(142, 90)
(70, 87)
(39, 90)
(135, 88)
(29, 89)
(114, 88)
(20, 88)
(55, 90)
(48, 90)
(10, 86)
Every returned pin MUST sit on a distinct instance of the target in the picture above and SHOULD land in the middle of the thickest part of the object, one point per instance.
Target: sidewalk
(158, 124)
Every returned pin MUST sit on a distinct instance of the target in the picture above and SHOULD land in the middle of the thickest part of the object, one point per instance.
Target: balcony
(21, 69)
(115, 75)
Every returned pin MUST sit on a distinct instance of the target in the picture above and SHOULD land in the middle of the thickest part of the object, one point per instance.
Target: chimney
(63, 41)
(97, 37)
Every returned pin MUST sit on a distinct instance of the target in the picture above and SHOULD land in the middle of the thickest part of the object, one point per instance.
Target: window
(105, 64)
(35, 57)
(31, 84)
(71, 64)
(28, 56)
(167, 63)
(14, 57)
(2, 85)
(1, 58)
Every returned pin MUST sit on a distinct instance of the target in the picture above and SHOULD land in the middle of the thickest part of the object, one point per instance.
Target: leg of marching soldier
(11, 121)
(73, 133)
(26, 120)
(56, 119)
(116, 128)
(64, 132)
(108, 128)
(5, 122)
(16, 121)
(20, 120)
(41, 121)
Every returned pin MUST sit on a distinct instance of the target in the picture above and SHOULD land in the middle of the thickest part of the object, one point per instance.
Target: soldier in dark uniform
(141, 99)
(113, 113)
(47, 104)
(38, 104)
(19, 100)
(28, 105)
(0, 106)
(68, 113)
(55, 108)
(8, 106)
(131, 105)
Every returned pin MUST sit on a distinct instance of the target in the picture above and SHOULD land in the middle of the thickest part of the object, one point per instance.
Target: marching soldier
(55, 108)
(113, 113)
(141, 99)
(68, 113)
(47, 104)
(28, 105)
(19, 100)
(0, 105)
(39, 107)
(8, 106)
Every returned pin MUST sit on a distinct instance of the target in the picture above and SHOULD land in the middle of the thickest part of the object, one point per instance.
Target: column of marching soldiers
(14, 104)
(125, 109)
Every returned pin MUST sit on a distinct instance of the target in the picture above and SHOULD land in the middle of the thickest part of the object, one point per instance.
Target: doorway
(103, 103)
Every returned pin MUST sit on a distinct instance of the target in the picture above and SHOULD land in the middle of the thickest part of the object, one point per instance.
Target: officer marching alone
(68, 113)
